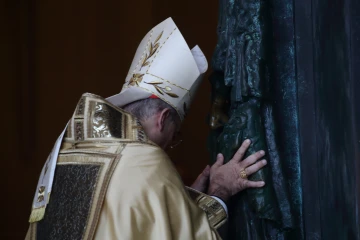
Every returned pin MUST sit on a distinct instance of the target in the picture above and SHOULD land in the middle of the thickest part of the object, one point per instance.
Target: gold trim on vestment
(31, 235)
(215, 212)
(81, 145)
(108, 162)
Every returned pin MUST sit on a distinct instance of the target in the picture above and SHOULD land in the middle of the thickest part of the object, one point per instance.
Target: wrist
(218, 192)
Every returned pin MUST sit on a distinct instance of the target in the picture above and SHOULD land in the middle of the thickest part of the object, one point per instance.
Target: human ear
(164, 114)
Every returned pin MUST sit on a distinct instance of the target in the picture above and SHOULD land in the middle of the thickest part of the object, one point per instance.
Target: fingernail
(262, 183)
(219, 155)
(262, 152)
(247, 141)
(264, 162)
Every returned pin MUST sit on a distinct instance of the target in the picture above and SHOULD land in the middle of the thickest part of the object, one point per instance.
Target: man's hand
(225, 180)
(202, 181)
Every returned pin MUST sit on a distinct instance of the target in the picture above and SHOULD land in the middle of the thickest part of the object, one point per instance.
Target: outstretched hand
(231, 178)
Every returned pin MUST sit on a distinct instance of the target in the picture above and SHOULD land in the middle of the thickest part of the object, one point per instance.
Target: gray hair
(145, 108)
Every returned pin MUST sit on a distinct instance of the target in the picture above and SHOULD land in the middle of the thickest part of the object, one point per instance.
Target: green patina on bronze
(242, 108)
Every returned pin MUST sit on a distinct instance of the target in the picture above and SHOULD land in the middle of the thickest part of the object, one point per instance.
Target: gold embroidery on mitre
(151, 33)
(162, 98)
(147, 72)
(167, 90)
(152, 50)
(160, 48)
(136, 79)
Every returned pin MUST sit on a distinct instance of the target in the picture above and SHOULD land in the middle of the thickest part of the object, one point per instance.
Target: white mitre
(164, 66)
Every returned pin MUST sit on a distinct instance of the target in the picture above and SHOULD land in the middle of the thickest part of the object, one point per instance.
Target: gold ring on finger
(243, 174)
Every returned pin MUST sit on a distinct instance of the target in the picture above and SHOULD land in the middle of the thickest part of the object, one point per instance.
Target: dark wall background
(53, 51)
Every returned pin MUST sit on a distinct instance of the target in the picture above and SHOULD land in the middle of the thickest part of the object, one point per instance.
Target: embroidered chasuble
(112, 182)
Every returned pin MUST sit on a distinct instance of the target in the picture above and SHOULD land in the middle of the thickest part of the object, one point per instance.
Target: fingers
(219, 161)
(250, 160)
(201, 181)
(255, 167)
(206, 171)
(204, 174)
(241, 151)
(252, 184)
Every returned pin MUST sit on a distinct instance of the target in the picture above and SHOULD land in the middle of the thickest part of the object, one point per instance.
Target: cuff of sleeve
(222, 204)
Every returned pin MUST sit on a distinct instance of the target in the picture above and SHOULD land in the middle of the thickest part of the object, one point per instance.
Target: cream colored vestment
(111, 182)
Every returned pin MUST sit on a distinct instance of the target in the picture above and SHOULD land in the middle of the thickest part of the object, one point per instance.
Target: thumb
(219, 161)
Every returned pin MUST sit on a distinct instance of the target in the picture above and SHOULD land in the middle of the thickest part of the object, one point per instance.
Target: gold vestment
(111, 182)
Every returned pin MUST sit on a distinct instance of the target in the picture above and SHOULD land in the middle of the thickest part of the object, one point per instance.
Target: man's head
(165, 67)
(160, 121)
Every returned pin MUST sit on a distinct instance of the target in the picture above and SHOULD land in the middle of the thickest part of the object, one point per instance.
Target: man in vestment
(108, 174)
